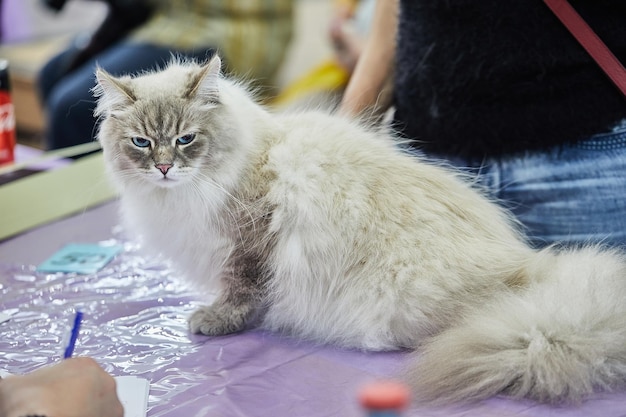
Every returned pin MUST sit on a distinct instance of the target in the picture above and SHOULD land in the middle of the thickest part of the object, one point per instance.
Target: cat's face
(164, 145)
(157, 128)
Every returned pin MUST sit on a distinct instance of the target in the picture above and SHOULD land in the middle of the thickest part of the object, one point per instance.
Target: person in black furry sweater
(502, 89)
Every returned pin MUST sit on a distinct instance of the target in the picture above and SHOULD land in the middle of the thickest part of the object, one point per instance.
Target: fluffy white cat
(337, 235)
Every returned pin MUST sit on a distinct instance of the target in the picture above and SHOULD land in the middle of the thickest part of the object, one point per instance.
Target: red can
(7, 116)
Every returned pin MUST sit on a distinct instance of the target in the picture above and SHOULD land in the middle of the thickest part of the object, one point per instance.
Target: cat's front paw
(212, 321)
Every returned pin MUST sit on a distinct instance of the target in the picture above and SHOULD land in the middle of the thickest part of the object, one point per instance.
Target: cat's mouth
(165, 181)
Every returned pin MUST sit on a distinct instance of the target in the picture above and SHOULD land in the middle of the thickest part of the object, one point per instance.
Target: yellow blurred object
(350, 4)
(326, 77)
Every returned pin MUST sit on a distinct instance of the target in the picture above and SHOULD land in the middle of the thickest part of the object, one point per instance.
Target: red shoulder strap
(590, 41)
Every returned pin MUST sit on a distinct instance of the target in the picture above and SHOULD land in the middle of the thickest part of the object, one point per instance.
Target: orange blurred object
(384, 395)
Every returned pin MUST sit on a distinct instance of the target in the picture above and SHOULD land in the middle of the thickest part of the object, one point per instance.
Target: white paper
(133, 394)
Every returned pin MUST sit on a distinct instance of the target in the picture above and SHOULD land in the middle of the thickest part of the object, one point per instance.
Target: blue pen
(69, 350)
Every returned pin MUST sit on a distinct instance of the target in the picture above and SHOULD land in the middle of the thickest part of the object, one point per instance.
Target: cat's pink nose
(163, 167)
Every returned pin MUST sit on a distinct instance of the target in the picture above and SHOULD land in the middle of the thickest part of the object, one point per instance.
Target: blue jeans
(570, 194)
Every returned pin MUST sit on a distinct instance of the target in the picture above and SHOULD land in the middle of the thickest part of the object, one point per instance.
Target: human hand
(76, 387)
(347, 43)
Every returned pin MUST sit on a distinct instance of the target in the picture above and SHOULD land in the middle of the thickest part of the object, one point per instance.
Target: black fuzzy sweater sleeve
(489, 77)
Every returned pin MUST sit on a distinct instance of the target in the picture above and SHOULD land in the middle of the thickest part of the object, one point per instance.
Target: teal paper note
(80, 258)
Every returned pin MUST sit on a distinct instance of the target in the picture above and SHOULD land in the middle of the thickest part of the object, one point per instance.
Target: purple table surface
(135, 324)
(27, 154)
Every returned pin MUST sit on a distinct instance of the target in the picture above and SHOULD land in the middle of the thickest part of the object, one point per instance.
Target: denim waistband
(604, 141)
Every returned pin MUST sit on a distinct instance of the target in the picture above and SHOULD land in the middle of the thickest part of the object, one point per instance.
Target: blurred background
(32, 33)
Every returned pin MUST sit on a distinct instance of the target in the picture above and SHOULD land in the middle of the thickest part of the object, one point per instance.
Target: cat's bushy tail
(557, 341)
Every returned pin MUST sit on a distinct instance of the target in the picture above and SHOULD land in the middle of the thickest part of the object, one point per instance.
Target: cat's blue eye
(140, 142)
(185, 140)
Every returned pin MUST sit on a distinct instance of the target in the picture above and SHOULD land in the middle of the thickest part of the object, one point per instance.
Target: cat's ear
(204, 84)
(112, 93)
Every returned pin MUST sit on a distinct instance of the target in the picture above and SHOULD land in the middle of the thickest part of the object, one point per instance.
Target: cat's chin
(166, 182)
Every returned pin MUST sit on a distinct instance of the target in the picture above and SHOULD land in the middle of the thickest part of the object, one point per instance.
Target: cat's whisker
(233, 215)
(210, 207)
(221, 188)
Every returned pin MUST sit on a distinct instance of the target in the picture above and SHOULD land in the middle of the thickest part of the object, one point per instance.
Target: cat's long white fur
(373, 248)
